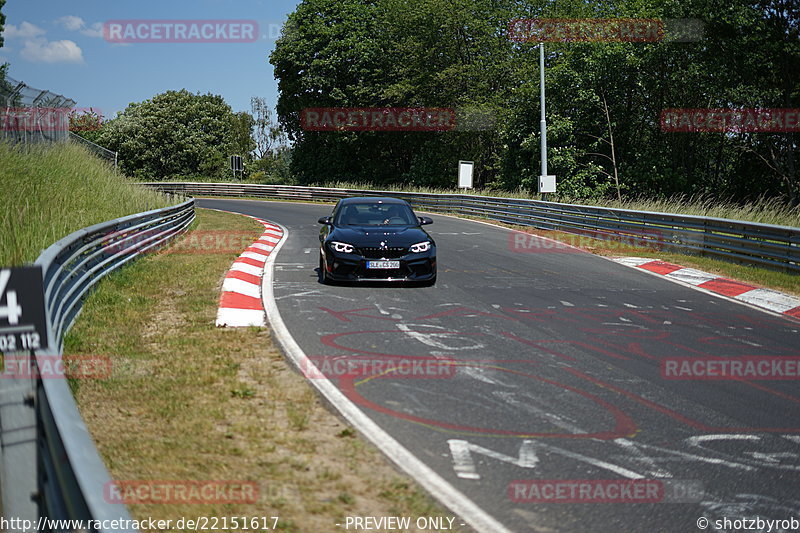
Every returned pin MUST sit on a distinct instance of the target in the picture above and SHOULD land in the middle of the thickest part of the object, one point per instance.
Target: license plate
(383, 264)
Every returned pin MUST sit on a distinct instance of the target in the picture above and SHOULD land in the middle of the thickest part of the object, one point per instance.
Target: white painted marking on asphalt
(567, 304)
(461, 452)
(527, 405)
(654, 469)
(630, 474)
(750, 343)
(682, 308)
(479, 374)
(431, 339)
(631, 306)
(298, 294)
(462, 460)
(381, 310)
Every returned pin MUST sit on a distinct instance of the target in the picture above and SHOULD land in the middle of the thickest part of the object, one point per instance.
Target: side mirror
(423, 221)
(325, 220)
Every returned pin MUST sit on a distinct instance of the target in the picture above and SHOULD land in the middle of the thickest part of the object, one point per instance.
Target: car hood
(375, 235)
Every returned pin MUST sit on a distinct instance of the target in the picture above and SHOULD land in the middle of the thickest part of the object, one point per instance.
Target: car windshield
(375, 214)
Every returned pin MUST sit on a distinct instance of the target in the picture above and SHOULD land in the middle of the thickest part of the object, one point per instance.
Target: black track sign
(23, 324)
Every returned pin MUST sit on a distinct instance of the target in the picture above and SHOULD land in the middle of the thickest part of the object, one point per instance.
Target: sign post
(237, 165)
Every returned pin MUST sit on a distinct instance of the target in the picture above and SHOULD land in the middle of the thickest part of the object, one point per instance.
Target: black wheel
(323, 277)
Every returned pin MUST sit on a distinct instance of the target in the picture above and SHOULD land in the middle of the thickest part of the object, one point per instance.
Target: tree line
(604, 99)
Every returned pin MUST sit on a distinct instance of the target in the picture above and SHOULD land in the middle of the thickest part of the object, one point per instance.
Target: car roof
(371, 199)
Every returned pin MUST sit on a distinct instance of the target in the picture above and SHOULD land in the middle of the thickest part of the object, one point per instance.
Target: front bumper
(353, 267)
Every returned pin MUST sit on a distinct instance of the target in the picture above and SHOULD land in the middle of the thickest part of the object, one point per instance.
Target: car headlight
(420, 247)
(342, 247)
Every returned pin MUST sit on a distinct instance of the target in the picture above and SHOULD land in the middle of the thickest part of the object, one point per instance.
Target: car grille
(381, 253)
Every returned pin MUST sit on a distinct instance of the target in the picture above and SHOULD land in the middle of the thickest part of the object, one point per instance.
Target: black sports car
(376, 239)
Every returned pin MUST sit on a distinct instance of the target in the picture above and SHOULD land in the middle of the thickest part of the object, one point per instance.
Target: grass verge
(51, 191)
(188, 401)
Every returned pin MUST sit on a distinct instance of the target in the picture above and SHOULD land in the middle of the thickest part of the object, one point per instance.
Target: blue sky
(59, 46)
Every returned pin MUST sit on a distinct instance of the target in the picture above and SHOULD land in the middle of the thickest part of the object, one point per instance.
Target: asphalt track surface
(545, 378)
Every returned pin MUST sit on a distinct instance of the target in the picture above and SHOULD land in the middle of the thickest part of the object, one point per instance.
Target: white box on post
(547, 183)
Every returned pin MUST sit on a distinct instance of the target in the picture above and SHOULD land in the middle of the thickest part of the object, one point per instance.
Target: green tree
(178, 134)
(4, 66)
(604, 99)
(2, 22)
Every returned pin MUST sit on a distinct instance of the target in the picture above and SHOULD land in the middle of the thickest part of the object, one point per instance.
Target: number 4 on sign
(12, 310)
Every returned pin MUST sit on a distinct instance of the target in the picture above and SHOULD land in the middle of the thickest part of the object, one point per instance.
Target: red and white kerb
(240, 304)
(766, 298)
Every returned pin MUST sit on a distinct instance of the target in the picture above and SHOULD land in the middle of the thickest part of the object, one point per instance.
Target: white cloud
(95, 30)
(71, 22)
(44, 51)
(37, 48)
(26, 30)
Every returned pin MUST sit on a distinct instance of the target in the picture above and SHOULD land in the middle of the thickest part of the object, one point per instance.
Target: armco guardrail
(735, 240)
(50, 466)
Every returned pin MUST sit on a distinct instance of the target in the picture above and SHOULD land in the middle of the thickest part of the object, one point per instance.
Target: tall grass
(47, 192)
(766, 210)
